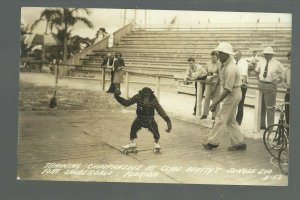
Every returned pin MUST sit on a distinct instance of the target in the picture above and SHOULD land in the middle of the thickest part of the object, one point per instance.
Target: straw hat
(268, 50)
(225, 47)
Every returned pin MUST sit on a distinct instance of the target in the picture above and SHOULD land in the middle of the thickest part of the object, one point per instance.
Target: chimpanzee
(147, 103)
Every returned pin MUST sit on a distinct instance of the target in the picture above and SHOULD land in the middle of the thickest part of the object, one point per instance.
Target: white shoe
(130, 145)
(156, 145)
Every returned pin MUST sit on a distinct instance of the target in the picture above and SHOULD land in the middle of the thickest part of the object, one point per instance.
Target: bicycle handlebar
(278, 107)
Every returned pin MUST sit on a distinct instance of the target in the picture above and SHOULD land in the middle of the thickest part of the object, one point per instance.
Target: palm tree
(76, 42)
(51, 16)
(69, 17)
(64, 19)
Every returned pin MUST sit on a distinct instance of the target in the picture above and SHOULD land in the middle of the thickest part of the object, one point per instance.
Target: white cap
(268, 50)
(225, 47)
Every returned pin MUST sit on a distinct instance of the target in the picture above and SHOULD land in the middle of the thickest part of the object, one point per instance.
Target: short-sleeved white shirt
(229, 75)
(242, 65)
(275, 69)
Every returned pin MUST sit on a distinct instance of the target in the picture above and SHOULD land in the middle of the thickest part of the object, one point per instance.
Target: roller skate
(156, 149)
(129, 148)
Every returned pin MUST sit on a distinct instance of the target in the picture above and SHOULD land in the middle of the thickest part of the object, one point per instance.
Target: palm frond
(86, 10)
(85, 21)
(35, 23)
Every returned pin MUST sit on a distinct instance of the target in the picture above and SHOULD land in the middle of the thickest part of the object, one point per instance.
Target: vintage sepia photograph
(154, 96)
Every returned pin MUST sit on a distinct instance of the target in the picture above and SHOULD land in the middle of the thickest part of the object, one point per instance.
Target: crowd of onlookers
(225, 79)
(270, 74)
(116, 64)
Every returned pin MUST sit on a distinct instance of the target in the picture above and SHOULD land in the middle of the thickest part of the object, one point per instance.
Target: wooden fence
(158, 78)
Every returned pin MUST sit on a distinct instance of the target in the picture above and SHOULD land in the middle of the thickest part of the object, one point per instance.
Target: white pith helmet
(225, 47)
(268, 50)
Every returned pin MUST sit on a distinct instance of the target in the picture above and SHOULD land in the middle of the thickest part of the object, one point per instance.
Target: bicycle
(283, 160)
(276, 139)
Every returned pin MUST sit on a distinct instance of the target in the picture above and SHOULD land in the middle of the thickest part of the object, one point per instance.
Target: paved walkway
(81, 145)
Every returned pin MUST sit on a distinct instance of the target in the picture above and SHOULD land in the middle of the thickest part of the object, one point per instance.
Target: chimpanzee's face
(146, 99)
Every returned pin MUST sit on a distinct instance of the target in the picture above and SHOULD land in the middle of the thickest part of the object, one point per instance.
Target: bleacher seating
(167, 51)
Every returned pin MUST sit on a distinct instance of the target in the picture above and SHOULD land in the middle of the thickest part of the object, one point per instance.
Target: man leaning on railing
(194, 72)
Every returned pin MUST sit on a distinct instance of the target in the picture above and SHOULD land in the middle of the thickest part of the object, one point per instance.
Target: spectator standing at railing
(253, 60)
(231, 96)
(242, 66)
(194, 72)
(252, 63)
(269, 74)
(286, 82)
(107, 62)
(212, 67)
(118, 66)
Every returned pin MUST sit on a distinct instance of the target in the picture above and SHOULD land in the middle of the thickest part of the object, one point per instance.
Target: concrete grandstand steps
(211, 37)
(135, 34)
(189, 50)
(211, 32)
(141, 64)
(195, 42)
(181, 56)
(166, 59)
(92, 59)
(208, 36)
(182, 60)
(166, 52)
(163, 59)
(166, 63)
(243, 47)
(204, 40)
(156, 68)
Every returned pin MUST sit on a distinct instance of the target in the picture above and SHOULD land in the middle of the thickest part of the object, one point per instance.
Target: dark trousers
(203, 89)
(269, 92)
(112, 85)
(287, 107)
(240, 111)
(152, 127)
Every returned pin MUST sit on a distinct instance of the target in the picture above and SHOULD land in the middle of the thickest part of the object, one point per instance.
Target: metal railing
(258, 94)
(158, 78)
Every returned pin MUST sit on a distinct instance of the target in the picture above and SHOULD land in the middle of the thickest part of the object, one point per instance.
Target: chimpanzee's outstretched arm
(126, 102)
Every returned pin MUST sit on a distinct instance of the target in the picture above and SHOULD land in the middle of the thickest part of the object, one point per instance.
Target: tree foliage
(64, 21)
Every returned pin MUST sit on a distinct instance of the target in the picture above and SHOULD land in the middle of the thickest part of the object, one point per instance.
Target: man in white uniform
(231, 81)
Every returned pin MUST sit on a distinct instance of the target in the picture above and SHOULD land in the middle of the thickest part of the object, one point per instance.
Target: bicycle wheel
(274, 139)
(283, 160)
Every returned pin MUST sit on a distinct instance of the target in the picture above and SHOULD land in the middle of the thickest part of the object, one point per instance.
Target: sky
(113, 19)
